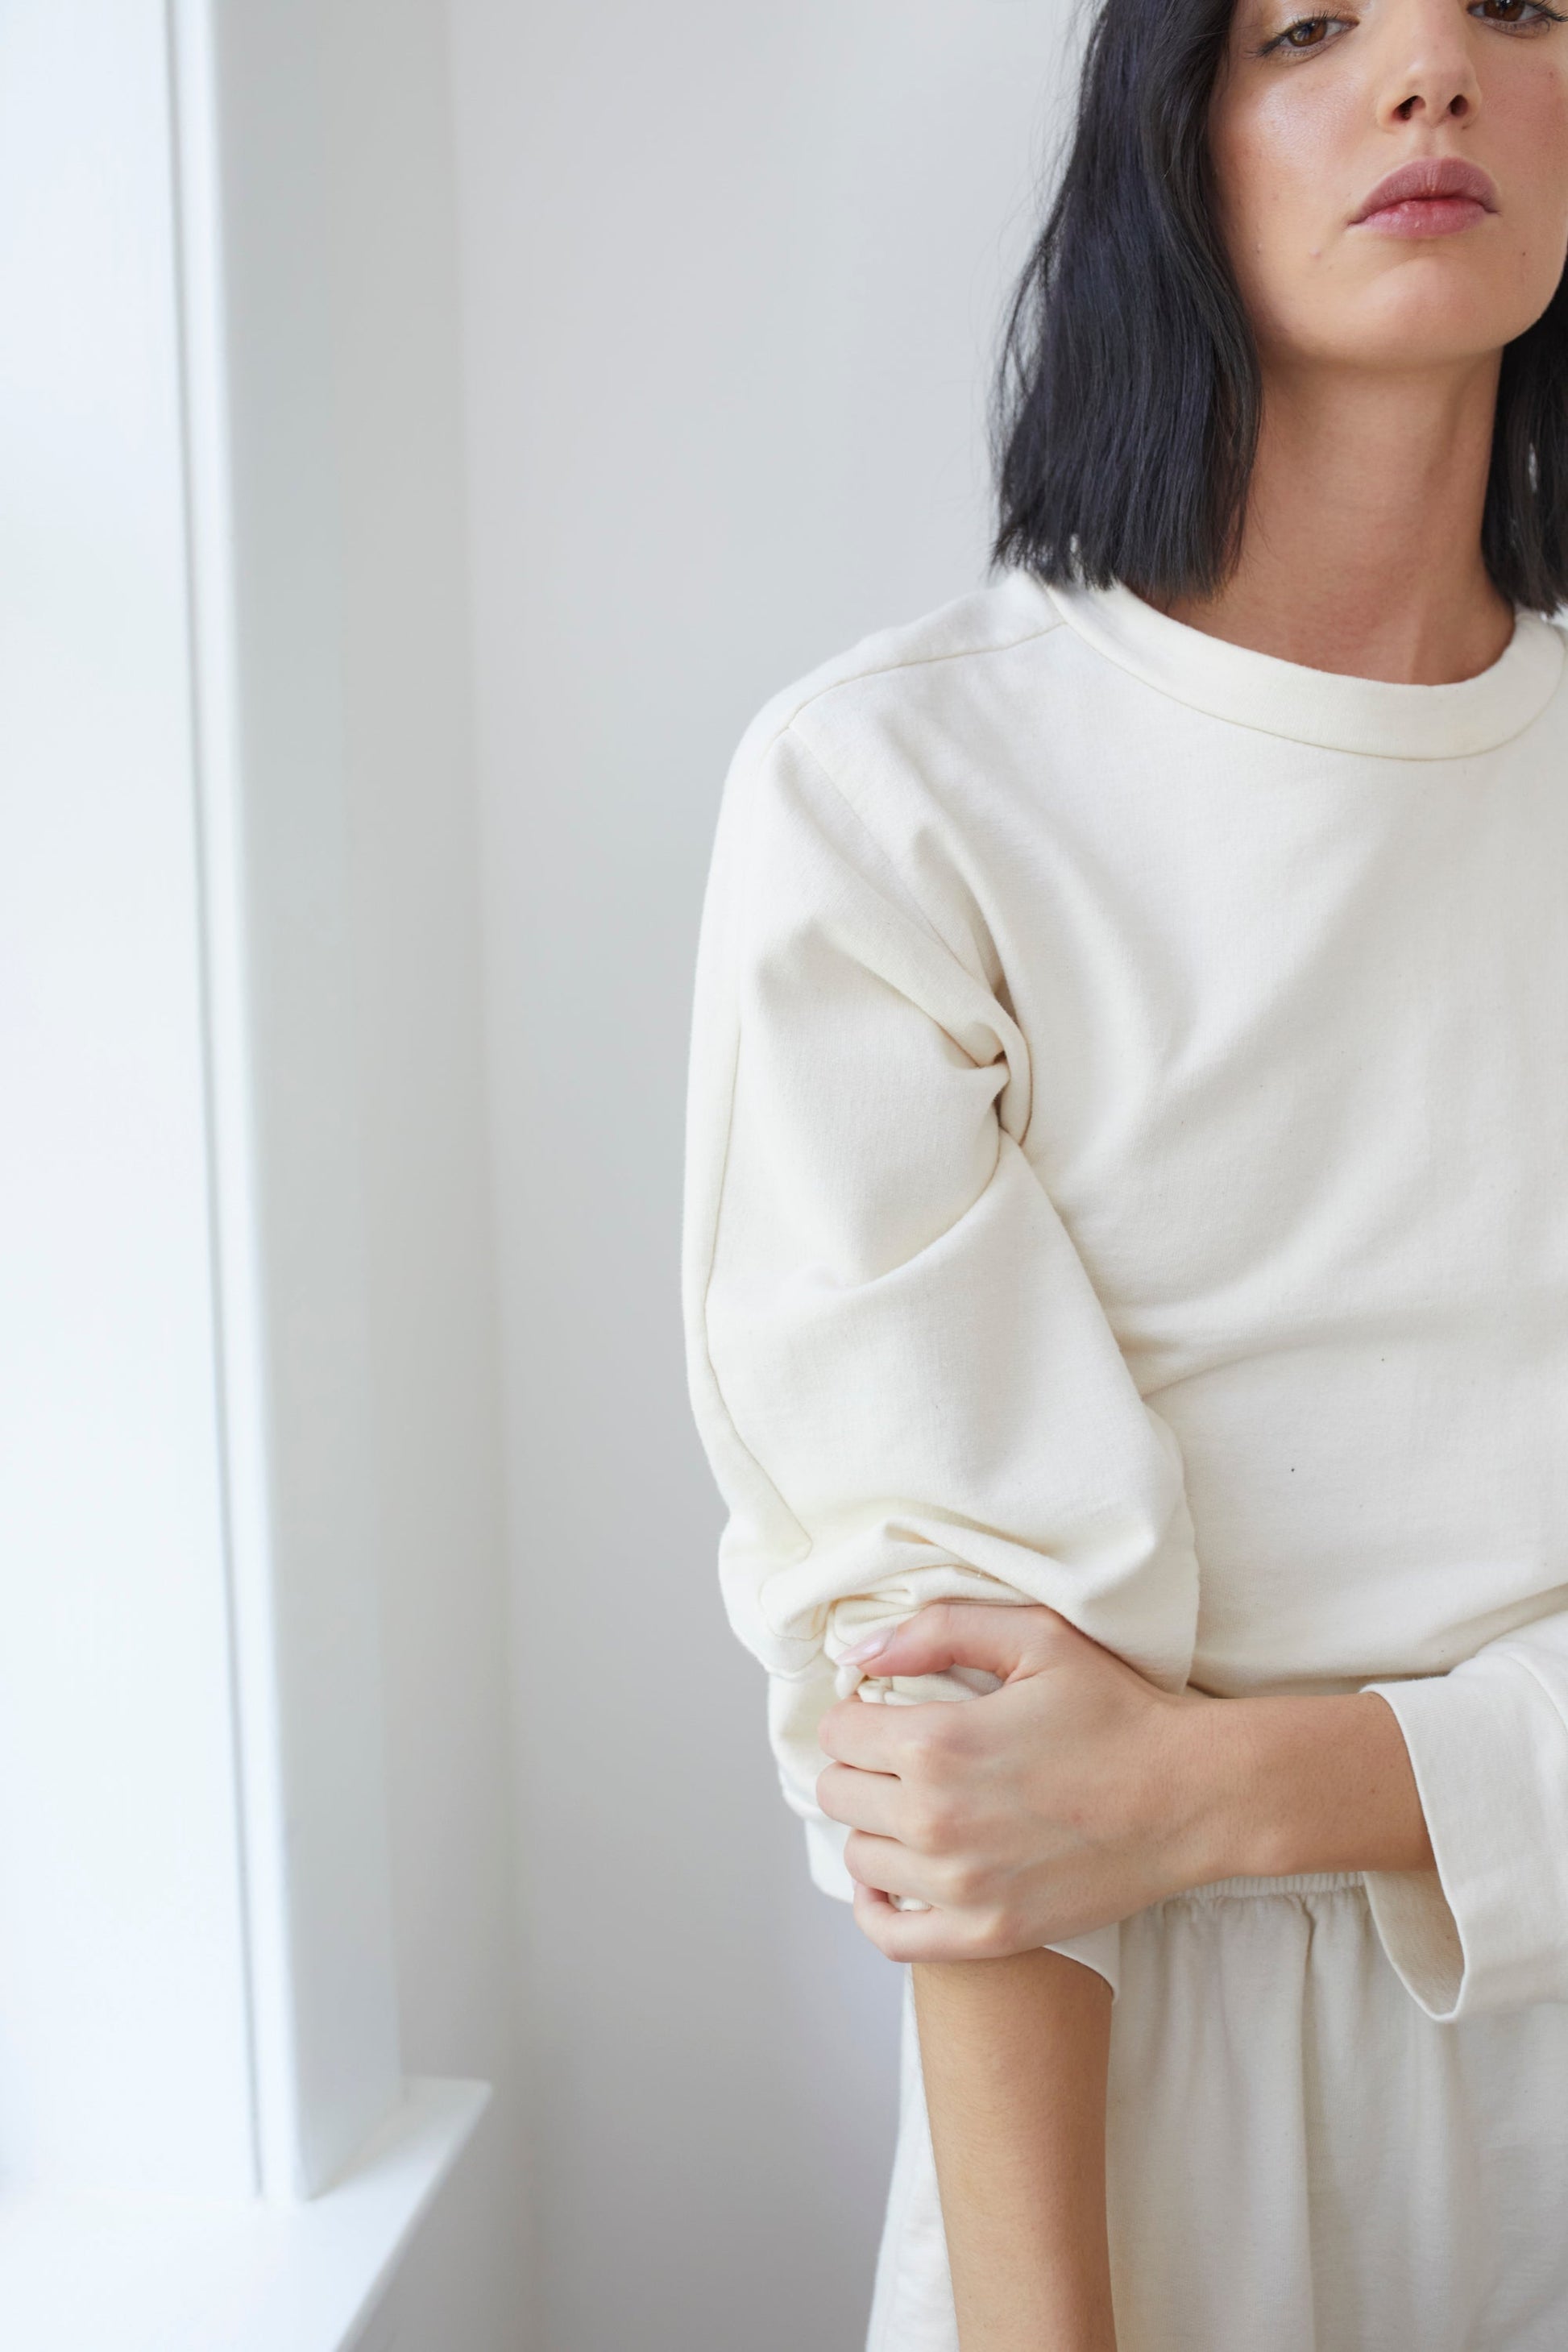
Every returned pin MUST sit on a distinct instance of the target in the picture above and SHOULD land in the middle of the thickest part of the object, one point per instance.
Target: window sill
(162, 2274)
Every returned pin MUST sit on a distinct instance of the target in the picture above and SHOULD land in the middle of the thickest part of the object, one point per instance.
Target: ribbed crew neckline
(1325, 707)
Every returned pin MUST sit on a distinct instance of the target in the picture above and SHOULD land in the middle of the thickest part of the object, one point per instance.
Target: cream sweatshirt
(1129, 1170)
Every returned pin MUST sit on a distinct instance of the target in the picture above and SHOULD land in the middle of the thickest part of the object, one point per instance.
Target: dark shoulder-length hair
(1127, 401)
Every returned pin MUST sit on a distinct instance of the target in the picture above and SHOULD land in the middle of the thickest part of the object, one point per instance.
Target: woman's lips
(1432, 197)
(1425, 216)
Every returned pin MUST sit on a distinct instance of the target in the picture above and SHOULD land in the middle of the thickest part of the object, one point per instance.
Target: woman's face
(1467, 101)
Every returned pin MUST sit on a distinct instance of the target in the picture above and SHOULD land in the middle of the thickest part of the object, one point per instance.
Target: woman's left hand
(1072, 1796)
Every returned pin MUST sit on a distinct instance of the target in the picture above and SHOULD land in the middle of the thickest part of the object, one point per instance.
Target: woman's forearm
(1314, 1784)
(1015, 2054)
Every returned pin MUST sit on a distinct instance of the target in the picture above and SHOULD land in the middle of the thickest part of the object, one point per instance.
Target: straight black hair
(1127, 401)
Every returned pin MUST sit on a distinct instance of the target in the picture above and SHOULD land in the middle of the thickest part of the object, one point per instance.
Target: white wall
(731, 273)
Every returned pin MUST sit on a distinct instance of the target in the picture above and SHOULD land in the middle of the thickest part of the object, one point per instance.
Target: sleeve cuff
(1488, 1928)
(1099, 1950)
(825, 1842)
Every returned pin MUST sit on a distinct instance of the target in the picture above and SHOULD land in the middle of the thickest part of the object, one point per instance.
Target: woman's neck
(1362, 549)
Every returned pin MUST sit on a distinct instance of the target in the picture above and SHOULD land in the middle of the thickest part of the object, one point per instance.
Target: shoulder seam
(890, 669)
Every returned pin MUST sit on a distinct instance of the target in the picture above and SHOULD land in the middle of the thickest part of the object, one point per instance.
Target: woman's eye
(1315, 32)
(1525, 13)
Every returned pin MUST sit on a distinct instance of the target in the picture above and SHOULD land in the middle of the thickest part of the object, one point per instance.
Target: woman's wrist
(1279, 1786)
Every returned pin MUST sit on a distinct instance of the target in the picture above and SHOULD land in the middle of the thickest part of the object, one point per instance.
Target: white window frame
(205, 2137)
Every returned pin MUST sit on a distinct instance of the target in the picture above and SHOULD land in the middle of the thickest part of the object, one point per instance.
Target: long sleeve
(904, 1381)
(1489, 1744)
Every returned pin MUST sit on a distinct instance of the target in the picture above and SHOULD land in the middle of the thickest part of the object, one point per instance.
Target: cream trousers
(1299, 2159)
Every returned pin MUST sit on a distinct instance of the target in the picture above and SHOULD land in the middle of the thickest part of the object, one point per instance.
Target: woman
(1130, 1183)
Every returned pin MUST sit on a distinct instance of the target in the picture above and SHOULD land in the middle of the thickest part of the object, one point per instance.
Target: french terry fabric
(1129, 1170)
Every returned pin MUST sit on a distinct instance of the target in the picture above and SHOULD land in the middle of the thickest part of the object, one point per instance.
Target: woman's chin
(1427, 312)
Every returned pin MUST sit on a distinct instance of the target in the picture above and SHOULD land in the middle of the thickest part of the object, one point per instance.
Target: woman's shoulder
(953, 656)
(901, 764)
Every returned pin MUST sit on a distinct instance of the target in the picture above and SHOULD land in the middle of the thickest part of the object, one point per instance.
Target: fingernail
(871, 1647)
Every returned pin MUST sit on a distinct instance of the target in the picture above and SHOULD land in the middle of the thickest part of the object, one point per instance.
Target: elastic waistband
(1306, 1882)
